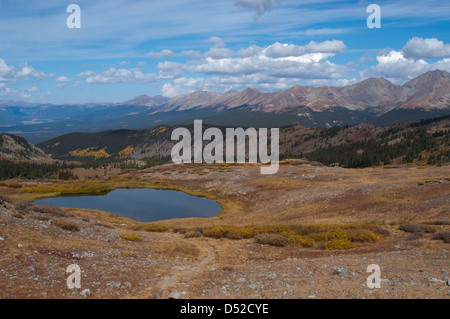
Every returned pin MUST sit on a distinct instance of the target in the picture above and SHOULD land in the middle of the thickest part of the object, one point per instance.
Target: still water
(143, 205)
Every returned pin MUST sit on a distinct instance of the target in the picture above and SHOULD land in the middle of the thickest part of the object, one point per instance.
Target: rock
(434, 279)
(19, 245)
(174, 295)
(114, 284)
(126, 285)
(85, 293)
(339, 270)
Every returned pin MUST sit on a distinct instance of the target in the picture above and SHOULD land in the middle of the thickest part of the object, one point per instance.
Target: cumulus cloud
(395, 66)
(114, 75)
(9, 73)
(274, 67)
(218, 51)
(27, 71)
(164, 54)
(276, 60)
(419, 48)
(6, 72)
(260, 6)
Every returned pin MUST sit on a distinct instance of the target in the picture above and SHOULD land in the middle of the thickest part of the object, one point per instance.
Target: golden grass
(150, 227)
(130, 237)
(323, 236)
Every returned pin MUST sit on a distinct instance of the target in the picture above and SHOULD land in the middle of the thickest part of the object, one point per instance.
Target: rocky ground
(36, 251)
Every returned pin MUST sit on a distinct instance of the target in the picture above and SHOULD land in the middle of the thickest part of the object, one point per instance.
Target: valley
(363, 212)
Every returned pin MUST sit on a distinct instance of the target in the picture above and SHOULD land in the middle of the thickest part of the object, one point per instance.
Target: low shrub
(66, 224)
(159, 228)
(130, 237)
(411, 228)
(381, 232)
(214, 232)
(18, 215)
(438, 222)
(192, 234)
(300, 240)
(272, 239)
(241, 233)
(414, 236)
(337, 244)
(363, 236)
(444, 235)
(180, 230)
(50, 210)
(330, 235)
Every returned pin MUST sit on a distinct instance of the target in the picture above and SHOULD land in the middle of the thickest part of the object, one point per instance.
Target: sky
(126, 48)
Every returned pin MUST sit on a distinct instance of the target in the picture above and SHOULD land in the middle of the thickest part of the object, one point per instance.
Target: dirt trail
(170, 284)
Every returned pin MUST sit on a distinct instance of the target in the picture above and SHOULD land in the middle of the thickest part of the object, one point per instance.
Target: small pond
(143, 205)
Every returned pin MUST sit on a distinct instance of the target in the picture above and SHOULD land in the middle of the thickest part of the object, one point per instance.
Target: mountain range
(376, 101)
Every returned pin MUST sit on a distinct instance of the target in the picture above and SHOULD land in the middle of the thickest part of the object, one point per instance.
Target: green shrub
(272, 239)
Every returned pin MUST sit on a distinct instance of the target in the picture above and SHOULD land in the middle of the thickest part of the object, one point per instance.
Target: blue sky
(126, 48)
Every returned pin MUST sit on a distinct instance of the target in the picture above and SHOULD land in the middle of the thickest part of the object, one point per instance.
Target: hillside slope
(17, 148)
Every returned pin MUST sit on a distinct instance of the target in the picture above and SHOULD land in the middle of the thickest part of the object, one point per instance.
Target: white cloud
(274, 67)
(164, 54)
(218, 51)
(9, 73)
(276, 60)
(396, 67)
(169, 90)
(420, 48)
(124, 63)
(6, 72)
(113, 75)
(62, 79)
(27, 71)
